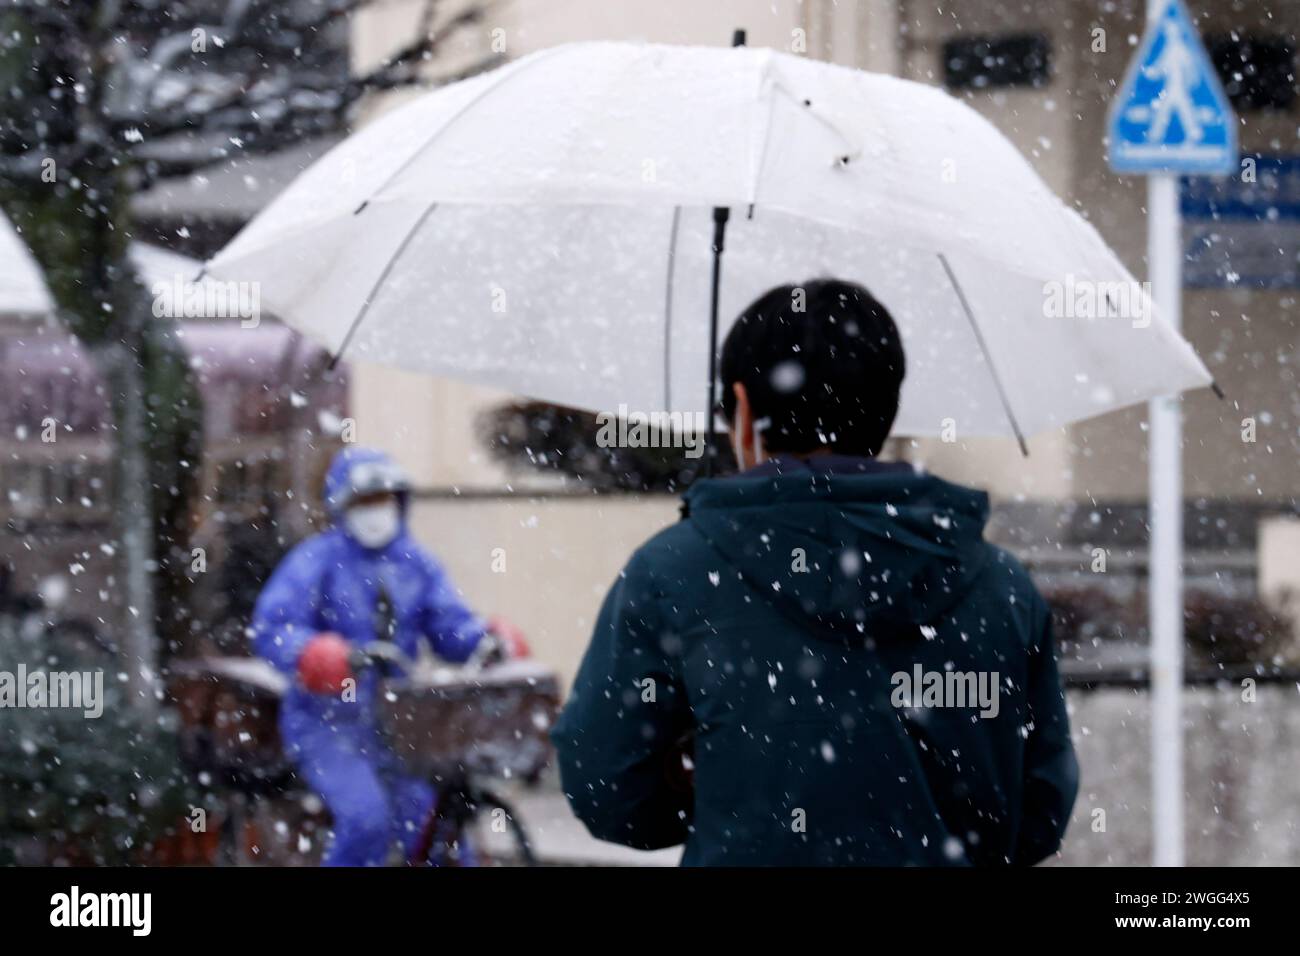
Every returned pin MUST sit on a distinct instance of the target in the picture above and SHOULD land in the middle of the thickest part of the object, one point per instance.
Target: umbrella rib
(769, 102)
(988, 356)
(668, 310)
(383, 277)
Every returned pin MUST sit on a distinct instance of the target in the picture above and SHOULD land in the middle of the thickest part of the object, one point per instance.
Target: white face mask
(760, 425)
(374, 526)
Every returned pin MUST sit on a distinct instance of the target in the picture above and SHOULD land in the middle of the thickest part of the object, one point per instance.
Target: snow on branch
(172, 86)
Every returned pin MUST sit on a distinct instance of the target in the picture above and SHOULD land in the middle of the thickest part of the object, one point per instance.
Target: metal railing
(1140, 679)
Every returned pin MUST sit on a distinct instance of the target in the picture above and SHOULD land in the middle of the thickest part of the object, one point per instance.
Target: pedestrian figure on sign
(1177, 68)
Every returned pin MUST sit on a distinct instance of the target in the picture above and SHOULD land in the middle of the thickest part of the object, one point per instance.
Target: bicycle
(454, 726)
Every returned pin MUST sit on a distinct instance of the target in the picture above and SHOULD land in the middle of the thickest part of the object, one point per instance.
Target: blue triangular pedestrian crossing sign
(1171, 114)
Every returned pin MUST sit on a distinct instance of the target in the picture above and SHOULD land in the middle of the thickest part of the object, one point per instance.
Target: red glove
(324, 663)
(511, 638)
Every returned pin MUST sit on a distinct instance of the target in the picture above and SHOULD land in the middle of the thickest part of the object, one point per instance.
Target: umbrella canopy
(22, 286)
(546, 228)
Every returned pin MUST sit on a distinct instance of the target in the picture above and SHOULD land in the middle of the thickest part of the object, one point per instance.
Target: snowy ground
(559, 839)
(1243, 800)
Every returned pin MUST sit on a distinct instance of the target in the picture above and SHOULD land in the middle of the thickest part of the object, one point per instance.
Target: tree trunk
(133, 512)
(79, 237)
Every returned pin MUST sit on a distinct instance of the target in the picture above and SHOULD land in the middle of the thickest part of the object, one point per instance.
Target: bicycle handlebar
(488, 652)
(377, 652)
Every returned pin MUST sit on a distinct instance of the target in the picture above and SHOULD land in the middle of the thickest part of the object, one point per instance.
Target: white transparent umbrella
(548, 229)
(22, 285)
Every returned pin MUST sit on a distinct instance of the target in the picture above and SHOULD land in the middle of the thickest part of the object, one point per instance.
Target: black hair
(822, 361)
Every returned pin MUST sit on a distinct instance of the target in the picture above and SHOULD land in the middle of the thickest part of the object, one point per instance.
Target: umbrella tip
(1214, 387)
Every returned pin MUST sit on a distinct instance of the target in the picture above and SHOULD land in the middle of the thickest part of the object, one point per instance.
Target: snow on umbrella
(547, 229)
(22, 287)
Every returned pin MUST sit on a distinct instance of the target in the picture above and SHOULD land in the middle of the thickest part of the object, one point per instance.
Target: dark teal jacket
(768, 634)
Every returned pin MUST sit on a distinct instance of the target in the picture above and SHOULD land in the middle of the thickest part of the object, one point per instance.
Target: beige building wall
(543, 563)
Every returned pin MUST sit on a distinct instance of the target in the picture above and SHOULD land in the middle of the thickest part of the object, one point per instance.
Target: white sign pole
(1165, 262)
(1169, 116)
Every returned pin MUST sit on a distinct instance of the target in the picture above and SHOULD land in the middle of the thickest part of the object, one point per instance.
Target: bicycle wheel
(522, 844)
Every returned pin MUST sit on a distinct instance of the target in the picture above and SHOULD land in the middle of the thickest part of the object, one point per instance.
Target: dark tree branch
(267, 115)
(40, 13)
(261, 86)
(332, 13)
(249, 140)
(22, 167)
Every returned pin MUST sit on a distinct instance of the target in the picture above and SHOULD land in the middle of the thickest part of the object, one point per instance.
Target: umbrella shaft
(720, 216)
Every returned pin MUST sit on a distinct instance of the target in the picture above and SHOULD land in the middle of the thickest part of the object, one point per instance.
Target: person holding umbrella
(848, 671)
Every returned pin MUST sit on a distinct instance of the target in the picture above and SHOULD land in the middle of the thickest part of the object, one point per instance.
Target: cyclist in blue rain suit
(364, 579)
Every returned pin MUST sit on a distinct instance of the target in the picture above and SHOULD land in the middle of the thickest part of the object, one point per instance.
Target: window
(986, 62)
(1258, 72)
(54, 489)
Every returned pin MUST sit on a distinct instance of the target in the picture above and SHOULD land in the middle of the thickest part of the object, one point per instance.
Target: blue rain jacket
(331, 582)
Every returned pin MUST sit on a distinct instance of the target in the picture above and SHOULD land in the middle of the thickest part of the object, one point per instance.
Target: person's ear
(742, 428)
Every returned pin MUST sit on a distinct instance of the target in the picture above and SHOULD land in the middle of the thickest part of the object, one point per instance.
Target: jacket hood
(355, 472)
(846, 549)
